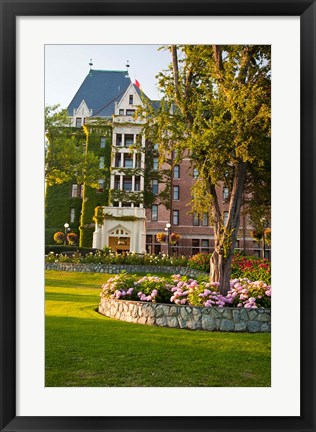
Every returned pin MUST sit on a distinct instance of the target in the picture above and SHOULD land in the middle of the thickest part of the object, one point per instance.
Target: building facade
(127, 211)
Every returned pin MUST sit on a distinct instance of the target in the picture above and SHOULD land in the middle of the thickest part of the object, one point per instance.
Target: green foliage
(92, 197)
(200, 261)
(132, 197)
(58, 201)
(57, 249)
(107, 257)
(65, 158)
(86, 236)
(255, 269)
(216, 109)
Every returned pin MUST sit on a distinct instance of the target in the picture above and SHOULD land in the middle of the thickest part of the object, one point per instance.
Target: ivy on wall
(58, 203)
(126, 197)
(162, 175)
(100, 216)
(92, 197)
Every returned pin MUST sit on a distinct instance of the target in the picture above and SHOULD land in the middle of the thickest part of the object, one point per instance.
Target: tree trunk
(225, 236)
(220, 270)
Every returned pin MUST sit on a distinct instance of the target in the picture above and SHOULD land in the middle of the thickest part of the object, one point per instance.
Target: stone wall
(195, 318)
(118, 268)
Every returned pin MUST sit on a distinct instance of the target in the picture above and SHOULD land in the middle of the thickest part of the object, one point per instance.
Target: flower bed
(181, 290)
(242, 266)
(186, 303)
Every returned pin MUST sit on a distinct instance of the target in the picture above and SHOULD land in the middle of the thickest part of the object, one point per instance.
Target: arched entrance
(119, 240)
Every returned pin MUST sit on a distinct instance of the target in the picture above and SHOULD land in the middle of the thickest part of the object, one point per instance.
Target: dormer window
(131, 99)
(121, 112)
(130, 112)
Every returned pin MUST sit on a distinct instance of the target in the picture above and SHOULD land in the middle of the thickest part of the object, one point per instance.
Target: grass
(86, 349)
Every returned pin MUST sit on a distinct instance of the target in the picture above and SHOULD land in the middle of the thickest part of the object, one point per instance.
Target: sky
(66, 66)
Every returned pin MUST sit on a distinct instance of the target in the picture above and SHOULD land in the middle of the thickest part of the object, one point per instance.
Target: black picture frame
(8, 12)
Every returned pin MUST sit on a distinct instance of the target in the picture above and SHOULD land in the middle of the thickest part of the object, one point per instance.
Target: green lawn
(86, 349)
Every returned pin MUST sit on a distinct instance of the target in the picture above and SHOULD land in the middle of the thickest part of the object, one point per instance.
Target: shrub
(154, 288)
(251, 268)
(57, 249)
(244, 293)
(130, 287)
(200, 261)
(181, 291)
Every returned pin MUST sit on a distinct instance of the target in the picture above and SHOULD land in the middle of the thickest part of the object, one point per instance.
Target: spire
(90, 63)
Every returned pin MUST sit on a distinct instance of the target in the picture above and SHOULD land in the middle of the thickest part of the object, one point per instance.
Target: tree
(216, 108)
(66, 159)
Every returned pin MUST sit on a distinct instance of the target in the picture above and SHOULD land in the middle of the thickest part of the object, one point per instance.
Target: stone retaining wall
(188, 317)
(118, 268)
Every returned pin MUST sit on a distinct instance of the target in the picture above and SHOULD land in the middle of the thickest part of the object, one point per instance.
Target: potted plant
(161, 237)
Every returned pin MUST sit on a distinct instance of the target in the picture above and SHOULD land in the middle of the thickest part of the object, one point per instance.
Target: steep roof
(100, 90)
(155, 103)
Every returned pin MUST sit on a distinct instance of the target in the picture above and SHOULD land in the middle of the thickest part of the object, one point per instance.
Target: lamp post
(263, 220)
(66, 226)
(168, 226)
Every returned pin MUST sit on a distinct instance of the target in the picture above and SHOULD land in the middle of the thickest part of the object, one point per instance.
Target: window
(195, 173)
(127, 184)
(156, 146)
(118, 140)
(175, 217)
(101, 185)
(117, 182)
(102, 142)
(101, 162)
(130, 112)
(128, 161)
(149, 238)
(205, 245)
(174, 154)
(176, 171)
(121, 112)
(176, 192)
(74, 191)
(72, 215)
(154, 186)
(131, 99)
(205, 221)
(196, 219)
(128, 140)
(155, 164)
(225, 217)
(137, 184)
(78, 122)
(225, 194)
(118, 160)
(138, 160)
(154, 212)
(195, 246)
